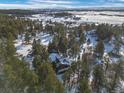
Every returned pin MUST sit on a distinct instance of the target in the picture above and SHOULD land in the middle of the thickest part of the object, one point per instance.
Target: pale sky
(24, 4)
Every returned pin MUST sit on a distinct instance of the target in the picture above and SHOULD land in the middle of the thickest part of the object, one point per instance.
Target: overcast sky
(24, 4)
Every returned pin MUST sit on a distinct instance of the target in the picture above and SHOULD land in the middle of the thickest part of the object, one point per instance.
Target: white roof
(53, 56)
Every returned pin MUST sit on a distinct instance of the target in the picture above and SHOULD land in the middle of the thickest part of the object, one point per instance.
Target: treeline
(23, 13)
(18, 12)
(15, 26)
(61, 14)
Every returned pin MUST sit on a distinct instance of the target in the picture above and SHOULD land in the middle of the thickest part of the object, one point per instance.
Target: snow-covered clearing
(85, 17)
(23, 49)
(109, 47)
(101, 17)
(44, 38)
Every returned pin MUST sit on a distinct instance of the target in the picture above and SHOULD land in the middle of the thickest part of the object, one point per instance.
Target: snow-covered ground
(109, 17)
(101, 17)
(109, 47)
(23, 49)
(122, 50)
(44, 38)
(44, 18)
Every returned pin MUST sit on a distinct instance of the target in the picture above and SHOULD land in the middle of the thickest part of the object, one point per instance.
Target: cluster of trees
(15, 75)
(114, 33)
(67, 41)
(15, 26)
(105, 31)
(87, 79)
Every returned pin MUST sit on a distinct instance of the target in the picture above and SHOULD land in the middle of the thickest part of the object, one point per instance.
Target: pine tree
(117, 46)
(63, 45)
(100, 48)
(36, 62)
(118, 75)
(84, 86)
(27, 37)
(37, 49)
(99, 79)
(75, 48)
(82, 38)
(10, 48)
(84, 77)
(81, 70)
(48, 79)
(60, 30)
(21, 79)
(10, 37)
(40, 50)
(55, 41)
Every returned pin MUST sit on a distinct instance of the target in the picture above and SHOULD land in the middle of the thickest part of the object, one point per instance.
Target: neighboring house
(55, 57)
(62, 64)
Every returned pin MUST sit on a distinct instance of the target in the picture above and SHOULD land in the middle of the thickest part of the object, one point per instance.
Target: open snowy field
(110, 17)
(100, 16)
